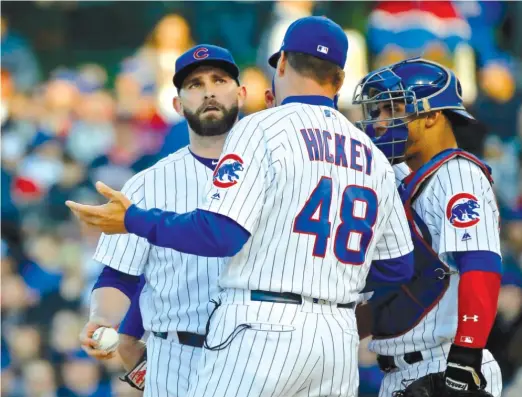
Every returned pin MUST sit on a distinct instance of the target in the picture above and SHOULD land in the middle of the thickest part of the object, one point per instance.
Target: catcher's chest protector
(398, 312)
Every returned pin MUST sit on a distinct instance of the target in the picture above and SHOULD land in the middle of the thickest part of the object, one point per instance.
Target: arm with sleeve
(126, 253)
(132, 324)
(474, 249)
(124, 257)
(392, 263)
(225, 222)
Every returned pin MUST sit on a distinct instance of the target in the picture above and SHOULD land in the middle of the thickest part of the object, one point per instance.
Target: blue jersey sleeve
(199, 232)
(124, 282)
(389, 273)
(132, 324)
(486, 261)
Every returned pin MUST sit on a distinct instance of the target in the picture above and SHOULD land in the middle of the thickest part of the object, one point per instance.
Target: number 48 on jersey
(357, 212)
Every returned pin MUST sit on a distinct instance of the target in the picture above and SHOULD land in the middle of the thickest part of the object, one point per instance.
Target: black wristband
(466, 356)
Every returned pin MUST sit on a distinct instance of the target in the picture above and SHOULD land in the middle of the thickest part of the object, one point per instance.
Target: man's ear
(340, 81)
(241, 96)
(433, 118)
(269, 98)
(178, 107)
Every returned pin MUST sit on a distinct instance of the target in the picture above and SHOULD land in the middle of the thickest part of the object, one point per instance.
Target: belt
(184, 338)
(387, 363)
(291, 298)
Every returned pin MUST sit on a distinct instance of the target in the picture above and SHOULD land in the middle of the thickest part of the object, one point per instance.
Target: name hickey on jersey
(319, 145)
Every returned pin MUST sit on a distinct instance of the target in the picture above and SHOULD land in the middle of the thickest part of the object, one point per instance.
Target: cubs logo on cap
(204, 54)
(228, 170)
(462, 210)
(201, 53)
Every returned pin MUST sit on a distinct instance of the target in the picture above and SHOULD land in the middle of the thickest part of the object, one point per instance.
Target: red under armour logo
(201, 53)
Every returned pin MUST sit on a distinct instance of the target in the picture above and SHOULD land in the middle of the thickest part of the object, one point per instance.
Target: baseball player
(430, 334)
(300, 202)
(175, 302)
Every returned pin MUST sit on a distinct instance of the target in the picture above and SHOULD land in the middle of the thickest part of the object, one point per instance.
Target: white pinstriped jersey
(179, 286)
(317, 197)
(401, 171)
(437, 206)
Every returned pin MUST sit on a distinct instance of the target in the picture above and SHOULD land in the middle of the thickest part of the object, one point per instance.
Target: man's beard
(212, 126)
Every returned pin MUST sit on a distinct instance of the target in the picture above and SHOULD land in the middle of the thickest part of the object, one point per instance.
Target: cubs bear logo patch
(228, 170)
(462, 210)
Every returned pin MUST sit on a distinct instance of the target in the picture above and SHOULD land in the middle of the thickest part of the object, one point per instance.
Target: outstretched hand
(109, 218)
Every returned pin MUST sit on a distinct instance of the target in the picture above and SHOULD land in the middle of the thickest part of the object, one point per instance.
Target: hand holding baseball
(98, 341)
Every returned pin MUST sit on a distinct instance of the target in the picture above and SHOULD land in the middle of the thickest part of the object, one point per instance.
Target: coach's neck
(302, 86)
(290, 82)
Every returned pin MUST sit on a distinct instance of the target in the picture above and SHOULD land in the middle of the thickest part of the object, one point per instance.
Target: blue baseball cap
(204, 54)
(317, 36)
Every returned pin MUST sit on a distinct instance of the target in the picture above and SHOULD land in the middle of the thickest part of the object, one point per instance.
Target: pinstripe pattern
(177, 370)
(434, 333)
(457, 175)
(177, 294)
(170, 300)
(291, 350)
(277, 180)
(400, 379)
(401, 171)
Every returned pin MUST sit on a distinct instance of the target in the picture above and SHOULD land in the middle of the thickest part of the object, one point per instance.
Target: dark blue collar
(310, 100)
(210, 163)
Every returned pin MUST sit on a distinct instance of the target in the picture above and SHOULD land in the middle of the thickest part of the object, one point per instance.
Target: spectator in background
(82, 378)
(25, 342)
(18, 58)
(256, 81)
(284, 13)
(399, 30)
(232, 25)
(39, 379)
(170, 38)
(499, 101)
(92, 133)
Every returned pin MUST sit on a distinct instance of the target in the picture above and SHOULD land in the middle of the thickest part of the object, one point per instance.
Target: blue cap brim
(228, 67)
(463, 113)
(272, 61)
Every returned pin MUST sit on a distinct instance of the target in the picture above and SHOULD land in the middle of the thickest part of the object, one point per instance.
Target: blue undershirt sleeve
(199, 232)
(124, 282)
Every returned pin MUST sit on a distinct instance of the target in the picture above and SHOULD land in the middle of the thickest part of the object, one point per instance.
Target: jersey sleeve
(395, 239)
(126, 253)
(243, 175)
(464, 205)
(401, 171)
(132, 323)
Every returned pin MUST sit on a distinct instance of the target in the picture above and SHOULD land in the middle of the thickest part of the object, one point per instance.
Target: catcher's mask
(395, 95)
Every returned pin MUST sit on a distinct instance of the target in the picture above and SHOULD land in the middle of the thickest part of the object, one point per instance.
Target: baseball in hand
(107, 338)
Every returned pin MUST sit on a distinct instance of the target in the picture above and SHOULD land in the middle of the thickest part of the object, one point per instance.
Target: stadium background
(86, 94)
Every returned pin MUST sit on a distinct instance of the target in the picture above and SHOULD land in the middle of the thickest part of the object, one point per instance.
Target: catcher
(430, 334)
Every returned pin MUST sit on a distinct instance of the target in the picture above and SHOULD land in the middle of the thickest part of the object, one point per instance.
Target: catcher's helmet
(420, 86)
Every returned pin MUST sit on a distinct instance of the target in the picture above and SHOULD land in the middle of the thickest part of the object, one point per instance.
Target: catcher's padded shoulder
(136, 376)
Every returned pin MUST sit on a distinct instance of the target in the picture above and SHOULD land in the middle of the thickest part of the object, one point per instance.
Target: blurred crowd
(68, 126)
